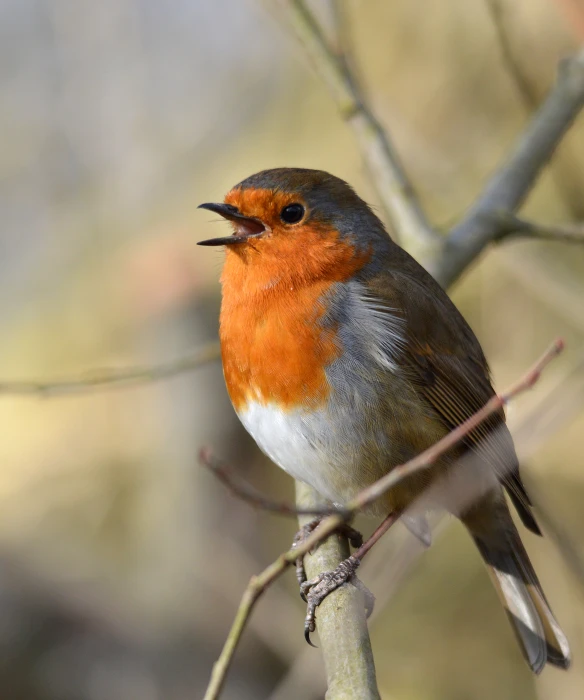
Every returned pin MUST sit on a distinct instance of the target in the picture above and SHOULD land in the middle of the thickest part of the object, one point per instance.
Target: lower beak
(246, 227)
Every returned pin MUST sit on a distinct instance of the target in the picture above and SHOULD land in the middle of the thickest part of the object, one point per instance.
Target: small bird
(344, 358)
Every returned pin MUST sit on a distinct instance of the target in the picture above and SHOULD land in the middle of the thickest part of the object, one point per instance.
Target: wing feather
(446, 365)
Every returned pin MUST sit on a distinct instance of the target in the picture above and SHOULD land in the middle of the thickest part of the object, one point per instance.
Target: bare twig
(248, 494)
(497, 13)
(388, 175)
(111, 378)
(258, 584)
(510, 185)
(513, 226)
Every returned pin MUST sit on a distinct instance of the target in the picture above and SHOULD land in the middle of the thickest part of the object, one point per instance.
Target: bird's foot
(354, 537)
(318, 588)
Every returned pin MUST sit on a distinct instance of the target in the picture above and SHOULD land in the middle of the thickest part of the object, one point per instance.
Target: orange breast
(274, 347)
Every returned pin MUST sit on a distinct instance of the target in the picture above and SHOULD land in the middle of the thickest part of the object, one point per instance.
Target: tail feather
(522, 505)
(539, 635)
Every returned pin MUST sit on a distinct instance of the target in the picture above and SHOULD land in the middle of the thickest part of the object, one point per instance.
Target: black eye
(292, 213)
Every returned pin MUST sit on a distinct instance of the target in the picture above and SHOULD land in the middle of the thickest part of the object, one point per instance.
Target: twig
(388, 175)
(248, 494)
(513, 226)
(526, 92)
(111, 378)
(259, 583)
(510, 185)
(562, 171)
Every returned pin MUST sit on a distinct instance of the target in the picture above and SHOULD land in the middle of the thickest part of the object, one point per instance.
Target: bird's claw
(354, 537)
(318, 588)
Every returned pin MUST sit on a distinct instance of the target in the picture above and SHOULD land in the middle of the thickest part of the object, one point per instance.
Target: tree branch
(342, 620)
(511, 226)
(497, 13)
(400, 203)
(510, 185)
(111, 378)
(248, 494)
(258, 584)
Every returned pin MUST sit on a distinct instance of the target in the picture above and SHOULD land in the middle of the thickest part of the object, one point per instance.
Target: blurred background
(121, 560)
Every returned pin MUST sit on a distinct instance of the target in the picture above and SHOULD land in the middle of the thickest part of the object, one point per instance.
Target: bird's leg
(318, 588)
(354, 537)
(299, 538)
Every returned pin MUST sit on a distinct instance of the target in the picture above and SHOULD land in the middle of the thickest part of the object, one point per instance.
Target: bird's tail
(539, 635)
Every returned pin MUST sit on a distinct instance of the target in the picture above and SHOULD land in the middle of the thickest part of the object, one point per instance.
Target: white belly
(303, 445)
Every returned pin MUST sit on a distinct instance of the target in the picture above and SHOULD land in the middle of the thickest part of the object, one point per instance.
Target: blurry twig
(111, 378)
(511, 183)
(517, 75)
(248, 494)
(389, 177)
(511, 225)
(258, 584)
(564, 172)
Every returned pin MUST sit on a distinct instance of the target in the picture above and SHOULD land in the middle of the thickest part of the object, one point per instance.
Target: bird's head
(291, 212)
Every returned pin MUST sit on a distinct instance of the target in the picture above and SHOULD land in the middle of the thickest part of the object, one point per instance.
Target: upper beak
(246, 226)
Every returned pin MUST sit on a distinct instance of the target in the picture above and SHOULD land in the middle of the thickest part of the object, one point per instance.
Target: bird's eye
(292, 213)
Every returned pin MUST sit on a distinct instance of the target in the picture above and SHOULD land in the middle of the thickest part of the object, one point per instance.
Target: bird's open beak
(246, 227)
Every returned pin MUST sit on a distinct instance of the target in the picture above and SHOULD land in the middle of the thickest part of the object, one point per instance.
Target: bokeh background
(121, 559)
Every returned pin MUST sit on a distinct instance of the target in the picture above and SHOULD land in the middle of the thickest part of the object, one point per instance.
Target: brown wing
(447, 366)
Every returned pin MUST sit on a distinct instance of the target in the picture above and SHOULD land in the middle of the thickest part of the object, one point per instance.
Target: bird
(344, 358)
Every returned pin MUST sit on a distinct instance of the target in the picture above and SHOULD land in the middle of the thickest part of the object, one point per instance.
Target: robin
(344, 358)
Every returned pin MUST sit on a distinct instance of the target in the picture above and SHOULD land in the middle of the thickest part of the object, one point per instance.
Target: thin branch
(111, 378)
(512, 226)
(258, 584)
(562, 171)
(247, 493)
(514, 70)
(388, 175)
(510, 185)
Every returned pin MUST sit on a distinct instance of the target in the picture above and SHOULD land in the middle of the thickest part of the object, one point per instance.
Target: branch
(342, 620)
(258, 584)
(526, 92)
(511, 184)
(388, 175)
(111, 378)
(248, 494)
(511, 226)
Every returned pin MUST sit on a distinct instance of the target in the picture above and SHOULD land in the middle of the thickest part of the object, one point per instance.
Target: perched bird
(344, 358)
